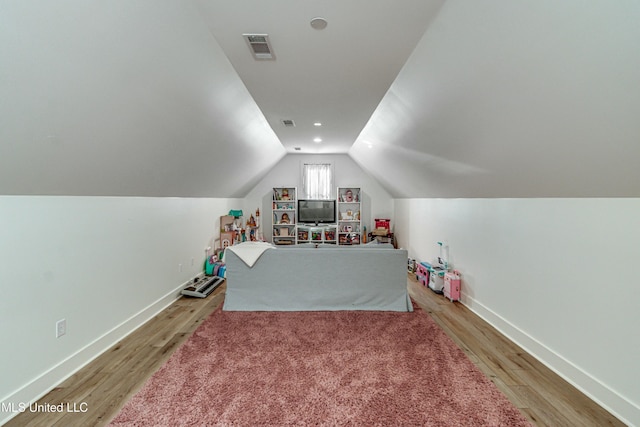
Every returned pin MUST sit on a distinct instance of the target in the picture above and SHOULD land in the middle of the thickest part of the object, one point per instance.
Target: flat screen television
(316, 211)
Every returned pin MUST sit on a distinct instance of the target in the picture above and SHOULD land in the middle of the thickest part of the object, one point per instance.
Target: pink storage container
(422, 273)
(452, 286)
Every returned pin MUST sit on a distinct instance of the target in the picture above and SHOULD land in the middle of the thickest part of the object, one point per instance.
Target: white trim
(50, 379)
(609, 399)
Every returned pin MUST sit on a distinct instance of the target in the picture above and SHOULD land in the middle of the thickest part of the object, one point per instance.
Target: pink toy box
(422, 273)
(452, 286)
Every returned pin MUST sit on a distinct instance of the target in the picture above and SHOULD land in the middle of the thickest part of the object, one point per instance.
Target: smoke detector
(319, 23)
(260, 46)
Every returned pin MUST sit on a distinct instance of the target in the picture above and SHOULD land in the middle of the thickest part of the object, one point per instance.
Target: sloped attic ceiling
(121, 98)
(153, 98)
(514, 99)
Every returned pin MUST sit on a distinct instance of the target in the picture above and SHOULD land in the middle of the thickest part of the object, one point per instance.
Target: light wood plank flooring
(539, 393)
(110, 380)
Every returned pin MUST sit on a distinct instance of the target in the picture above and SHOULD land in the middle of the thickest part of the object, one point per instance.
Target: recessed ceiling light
(317, 139)
(319, 23)
(317, 124)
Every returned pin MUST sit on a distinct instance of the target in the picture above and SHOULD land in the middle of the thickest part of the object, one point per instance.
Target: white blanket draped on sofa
(249, 252)
(306, 278)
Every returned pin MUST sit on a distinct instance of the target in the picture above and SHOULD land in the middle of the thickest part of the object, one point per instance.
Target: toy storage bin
(422, 273)
(452, 286)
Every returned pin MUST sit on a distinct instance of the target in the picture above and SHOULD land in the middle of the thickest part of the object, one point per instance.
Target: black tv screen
(316, 211)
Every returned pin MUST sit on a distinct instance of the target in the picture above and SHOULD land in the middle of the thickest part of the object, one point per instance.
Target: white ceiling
(438, 98)
(336, 76)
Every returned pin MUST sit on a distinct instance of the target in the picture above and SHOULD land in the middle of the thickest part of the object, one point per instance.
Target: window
(317, 181)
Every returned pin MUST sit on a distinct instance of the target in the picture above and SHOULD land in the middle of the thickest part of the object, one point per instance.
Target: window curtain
(317, 181)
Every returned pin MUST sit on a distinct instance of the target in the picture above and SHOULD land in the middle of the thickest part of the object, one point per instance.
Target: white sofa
(309, 278)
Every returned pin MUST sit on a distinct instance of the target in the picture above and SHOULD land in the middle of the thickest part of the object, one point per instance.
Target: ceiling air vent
(259, 45)
(288, 123)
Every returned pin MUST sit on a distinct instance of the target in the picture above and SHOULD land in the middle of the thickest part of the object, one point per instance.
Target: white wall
(376, 202)
(555, 275)
(105, 264)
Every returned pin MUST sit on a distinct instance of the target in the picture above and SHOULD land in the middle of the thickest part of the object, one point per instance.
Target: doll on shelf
(285, 194)
(284, 219)
(349, 196)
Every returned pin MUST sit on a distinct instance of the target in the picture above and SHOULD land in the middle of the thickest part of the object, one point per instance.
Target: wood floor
(103, 386)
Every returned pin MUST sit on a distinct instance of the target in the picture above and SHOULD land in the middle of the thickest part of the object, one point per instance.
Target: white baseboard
(46, 382)
(616, 404)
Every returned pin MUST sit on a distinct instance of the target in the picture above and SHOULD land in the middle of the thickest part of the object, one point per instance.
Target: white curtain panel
(317, 181)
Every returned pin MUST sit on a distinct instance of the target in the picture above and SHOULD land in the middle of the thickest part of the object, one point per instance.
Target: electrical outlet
(61, 327)
(180, 268)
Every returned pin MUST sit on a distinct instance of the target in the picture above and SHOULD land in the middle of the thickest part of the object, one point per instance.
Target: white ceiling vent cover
(259, 45)
(288, 123)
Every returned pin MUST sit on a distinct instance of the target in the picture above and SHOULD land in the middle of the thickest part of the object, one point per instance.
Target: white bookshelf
(284, 215)
(349, 206)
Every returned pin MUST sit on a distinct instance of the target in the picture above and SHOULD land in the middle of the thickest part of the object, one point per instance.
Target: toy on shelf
(330, 234)
(411, 265)
(253, 226)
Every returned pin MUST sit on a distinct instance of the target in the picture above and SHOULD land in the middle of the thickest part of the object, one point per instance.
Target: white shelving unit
(349, 212)
(284, 215)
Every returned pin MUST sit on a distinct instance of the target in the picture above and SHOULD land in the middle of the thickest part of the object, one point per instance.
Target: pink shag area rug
(353, 368)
